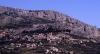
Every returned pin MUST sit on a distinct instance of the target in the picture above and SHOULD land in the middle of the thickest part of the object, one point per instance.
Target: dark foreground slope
(45, 32)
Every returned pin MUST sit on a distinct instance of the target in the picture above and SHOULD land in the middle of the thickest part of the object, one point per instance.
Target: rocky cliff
(45, 20)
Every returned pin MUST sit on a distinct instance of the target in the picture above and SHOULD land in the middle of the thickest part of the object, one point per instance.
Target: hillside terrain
(45, 32)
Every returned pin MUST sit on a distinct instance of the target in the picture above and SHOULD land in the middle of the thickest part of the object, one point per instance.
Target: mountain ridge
(56, 19)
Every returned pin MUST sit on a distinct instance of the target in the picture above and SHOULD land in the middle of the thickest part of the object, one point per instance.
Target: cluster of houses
(3, 32)
(39, 40)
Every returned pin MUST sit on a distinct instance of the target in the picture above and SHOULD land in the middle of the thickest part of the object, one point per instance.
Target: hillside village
(47, 43)
(45, 32)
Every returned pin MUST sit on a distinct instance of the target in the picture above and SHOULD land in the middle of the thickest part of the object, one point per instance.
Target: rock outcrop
(45, 20)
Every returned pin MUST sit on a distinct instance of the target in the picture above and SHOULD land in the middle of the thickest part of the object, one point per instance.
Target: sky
(84, 10)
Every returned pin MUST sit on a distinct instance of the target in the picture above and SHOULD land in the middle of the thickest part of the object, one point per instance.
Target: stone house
(33, 45)
(54, 49)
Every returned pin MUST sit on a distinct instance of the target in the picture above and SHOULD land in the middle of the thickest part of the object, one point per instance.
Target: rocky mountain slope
(45, 20)
(45, 32)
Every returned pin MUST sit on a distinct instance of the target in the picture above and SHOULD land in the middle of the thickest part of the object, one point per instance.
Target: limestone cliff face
(60, 21)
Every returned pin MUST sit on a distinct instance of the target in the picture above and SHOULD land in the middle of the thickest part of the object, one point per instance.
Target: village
(47, 43)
